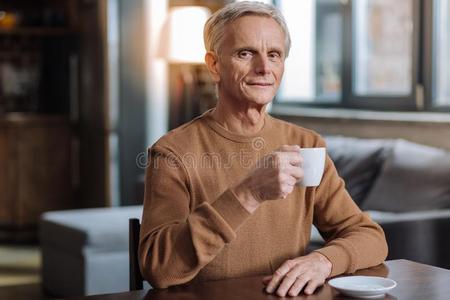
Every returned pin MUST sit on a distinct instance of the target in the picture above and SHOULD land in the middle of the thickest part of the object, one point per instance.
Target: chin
(259, 96)
(260, 101)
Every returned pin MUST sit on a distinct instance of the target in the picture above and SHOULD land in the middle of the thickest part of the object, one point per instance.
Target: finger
(286, 190)
(295, 172)
(293, 158)
(267, 279)
(288, 180)
(286, 159)
(289, 148)
(278, 275)
(297, 162)
(297, 286)
(311, 287)
(273, 284)
(288, 280)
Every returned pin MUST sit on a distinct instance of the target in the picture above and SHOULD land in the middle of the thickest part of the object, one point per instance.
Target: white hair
(214, 29)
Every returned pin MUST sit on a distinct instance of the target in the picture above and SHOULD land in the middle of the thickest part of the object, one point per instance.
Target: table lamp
(181, 44)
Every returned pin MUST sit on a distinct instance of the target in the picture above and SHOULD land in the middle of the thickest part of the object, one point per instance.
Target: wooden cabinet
(53, 111)
(39, 63)
(35, 168)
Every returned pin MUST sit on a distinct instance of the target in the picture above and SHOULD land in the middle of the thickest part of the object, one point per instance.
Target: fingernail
(269, 290)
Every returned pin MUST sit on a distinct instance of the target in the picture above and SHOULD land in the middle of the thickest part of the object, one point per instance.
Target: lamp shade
(182, 35)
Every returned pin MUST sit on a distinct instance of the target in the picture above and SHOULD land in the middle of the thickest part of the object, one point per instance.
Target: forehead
(254, 28)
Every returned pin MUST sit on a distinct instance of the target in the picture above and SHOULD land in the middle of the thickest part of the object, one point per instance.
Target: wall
(133, 97)
(432, 132)
(93, 106)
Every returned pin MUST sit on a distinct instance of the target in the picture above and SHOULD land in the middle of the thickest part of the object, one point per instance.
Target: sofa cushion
(96, 229)
(358, 162)
(383, 217)
(414, 177)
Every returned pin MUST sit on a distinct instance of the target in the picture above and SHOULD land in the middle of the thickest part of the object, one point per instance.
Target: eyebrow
(254, 50)
(276, 49)
(239, 49)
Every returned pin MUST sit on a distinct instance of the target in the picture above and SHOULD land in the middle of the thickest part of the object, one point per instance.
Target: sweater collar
(241, 138)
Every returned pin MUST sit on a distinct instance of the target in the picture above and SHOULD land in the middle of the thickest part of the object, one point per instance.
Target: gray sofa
(404, 186)
(85, 251)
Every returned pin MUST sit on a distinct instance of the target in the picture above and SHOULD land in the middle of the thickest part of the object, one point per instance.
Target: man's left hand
(308, 272)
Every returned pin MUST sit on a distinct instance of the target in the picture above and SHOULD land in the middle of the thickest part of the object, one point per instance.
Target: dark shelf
(31, 118)
(38, 31)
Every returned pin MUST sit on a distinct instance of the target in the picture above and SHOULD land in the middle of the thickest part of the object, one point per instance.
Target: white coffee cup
(313, 166)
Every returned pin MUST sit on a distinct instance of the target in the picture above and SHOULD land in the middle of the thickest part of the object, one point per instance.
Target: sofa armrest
(316, 241)
(420, 237)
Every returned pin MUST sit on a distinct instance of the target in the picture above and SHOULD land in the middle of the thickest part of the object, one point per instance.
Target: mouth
(260, 84)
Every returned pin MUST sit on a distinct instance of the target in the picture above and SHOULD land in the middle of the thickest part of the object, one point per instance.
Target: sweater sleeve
(177, 240)
(353, 240)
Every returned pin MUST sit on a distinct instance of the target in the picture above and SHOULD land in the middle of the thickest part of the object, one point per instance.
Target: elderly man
(221, 198)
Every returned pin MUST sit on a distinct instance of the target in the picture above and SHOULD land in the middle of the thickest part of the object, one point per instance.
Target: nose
(262, 64)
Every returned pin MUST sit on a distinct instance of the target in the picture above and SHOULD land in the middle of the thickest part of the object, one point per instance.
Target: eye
(274, 55)
(245, 54)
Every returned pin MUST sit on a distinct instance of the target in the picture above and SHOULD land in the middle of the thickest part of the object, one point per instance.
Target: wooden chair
(136, 279)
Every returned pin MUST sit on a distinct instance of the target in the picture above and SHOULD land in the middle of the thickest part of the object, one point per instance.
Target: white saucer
(367, 287)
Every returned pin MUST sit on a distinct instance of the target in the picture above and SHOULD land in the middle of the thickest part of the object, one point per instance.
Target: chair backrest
(136, 279)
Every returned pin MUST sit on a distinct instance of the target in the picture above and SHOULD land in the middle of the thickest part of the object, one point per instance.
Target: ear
(212, 63)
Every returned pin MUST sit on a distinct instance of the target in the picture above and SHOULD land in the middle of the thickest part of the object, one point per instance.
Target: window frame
(349, 98)
(424, 71)
(430, 56)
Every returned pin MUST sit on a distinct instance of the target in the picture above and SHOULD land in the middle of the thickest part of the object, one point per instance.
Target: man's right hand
(273, 178)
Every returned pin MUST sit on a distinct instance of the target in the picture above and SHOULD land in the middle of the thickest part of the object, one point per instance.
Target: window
(313, 70)
(442, 53)
(382, 42)
(367, 54)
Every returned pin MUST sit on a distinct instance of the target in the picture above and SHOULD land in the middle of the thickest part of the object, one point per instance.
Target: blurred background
(87, 85)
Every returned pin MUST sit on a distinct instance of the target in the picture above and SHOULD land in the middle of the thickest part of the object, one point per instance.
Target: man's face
(251, 61)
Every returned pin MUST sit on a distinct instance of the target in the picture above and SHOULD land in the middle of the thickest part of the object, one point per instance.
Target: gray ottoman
(85, 251)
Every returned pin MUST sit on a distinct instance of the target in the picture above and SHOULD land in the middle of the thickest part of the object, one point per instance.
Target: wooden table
(415, 281)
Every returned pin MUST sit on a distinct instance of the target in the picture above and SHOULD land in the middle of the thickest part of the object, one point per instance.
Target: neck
(241, 118)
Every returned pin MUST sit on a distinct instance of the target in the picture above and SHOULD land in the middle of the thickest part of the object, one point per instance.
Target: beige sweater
(193, 227)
